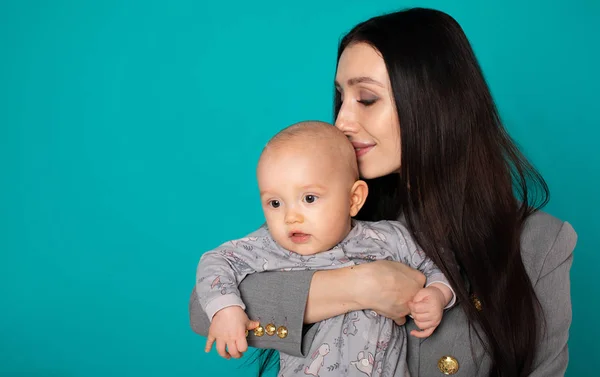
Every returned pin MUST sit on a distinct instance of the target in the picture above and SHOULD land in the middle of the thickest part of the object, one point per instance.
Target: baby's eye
(274, 203)
(310, 199)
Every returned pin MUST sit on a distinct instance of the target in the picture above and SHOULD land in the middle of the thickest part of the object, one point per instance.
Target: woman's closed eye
(367, 101)
(367, 98)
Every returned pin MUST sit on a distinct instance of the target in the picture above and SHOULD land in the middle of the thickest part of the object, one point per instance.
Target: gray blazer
(547, 252)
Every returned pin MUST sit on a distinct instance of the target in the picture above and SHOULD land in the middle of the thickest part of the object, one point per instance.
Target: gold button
(476, 302)
(282, 332)
(448, 365)
(270, 329)
(246, 333)
(259, 331)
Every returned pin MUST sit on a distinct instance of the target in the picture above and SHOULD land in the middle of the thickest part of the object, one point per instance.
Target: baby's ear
(358, 196)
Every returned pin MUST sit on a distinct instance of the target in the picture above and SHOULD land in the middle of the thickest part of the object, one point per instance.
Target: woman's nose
(346, 121)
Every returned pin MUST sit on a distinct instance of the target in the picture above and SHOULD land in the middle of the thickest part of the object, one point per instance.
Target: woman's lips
(362, 148)
(362, 151)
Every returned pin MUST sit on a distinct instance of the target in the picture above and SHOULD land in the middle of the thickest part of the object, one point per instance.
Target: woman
(428, 138)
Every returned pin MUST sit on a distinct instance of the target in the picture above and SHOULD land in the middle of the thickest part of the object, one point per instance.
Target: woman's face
(368, 113)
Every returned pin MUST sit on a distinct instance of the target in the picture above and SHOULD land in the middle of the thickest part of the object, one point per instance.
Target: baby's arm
(228, 328)
(221, 270)
(427, 308)
(429, 303)
(217, 277)
(447, 293)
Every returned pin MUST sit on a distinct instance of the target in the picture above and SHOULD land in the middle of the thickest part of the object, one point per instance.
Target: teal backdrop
(129, 133)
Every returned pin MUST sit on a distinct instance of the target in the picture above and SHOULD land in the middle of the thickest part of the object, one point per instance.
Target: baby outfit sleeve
(221, 270)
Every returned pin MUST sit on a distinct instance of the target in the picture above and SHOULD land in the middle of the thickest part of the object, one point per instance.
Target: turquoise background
(130, 132)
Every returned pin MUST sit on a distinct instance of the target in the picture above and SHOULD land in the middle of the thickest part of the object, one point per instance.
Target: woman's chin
(376, 172)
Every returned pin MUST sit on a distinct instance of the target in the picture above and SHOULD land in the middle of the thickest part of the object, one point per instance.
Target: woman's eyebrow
(359, 80)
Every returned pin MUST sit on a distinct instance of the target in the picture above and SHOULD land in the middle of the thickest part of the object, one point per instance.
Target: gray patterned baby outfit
(359, 343)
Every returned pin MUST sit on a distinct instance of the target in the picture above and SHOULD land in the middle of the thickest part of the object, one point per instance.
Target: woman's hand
(383, 286)
(386, 287)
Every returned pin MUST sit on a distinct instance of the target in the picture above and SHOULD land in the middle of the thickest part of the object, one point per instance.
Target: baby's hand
(426, 309)
(228, 328)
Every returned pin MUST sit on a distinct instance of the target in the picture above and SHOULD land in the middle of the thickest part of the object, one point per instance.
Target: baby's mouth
(299, 237)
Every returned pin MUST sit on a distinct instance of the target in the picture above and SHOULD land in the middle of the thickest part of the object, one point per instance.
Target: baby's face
(306, 198)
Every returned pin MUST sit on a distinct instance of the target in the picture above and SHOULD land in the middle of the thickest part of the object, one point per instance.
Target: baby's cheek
(282, 239)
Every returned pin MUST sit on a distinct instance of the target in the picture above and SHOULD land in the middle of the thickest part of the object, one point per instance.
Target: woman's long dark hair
(464, 187)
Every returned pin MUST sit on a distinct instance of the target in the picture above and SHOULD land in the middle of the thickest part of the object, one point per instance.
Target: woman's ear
(358, 196)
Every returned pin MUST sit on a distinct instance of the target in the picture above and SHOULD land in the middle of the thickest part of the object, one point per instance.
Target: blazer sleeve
(553, 290)
(270, 297)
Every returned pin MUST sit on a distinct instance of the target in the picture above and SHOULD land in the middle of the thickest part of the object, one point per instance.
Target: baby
(310, 190)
